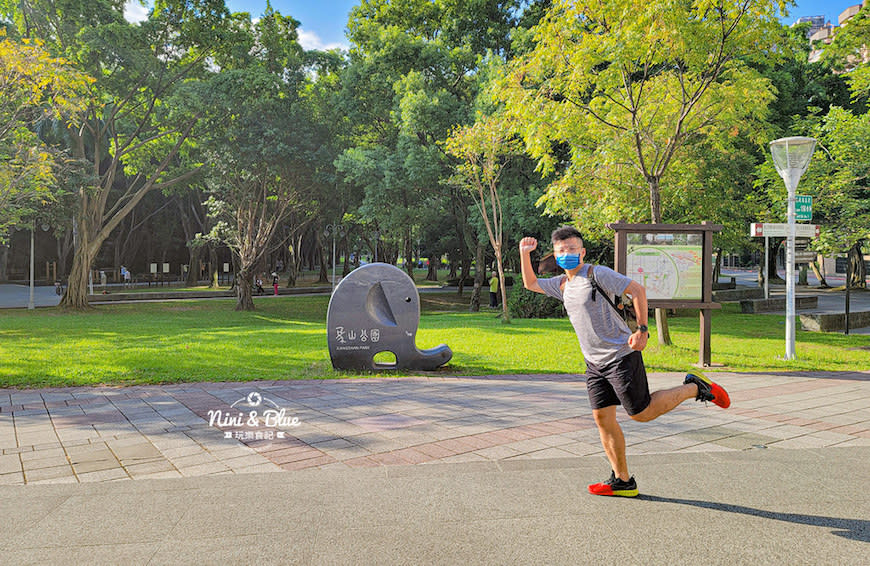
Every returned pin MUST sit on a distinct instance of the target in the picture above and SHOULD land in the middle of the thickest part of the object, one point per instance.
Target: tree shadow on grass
(852, 529)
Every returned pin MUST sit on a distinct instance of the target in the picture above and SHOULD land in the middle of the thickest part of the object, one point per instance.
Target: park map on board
(667, 265)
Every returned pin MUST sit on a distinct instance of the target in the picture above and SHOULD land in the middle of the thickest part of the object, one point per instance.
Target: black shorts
(622, 382)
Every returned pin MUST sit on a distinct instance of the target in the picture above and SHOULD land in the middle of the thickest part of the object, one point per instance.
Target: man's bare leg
(666, 400)
(612, 440)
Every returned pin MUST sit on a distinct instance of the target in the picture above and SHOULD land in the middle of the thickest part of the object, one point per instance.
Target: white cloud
(134, 12)
(309, 40)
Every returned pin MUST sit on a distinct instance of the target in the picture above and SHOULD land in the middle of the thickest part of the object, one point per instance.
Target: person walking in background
(275, 282)
(493, 290)
(615, 372)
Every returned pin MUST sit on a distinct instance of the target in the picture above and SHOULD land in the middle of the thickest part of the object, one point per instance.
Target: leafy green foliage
(837, 179)
(414, 75)
(34, 88)
(528, 304)
(614, 92)
(850, 53)
(264, 147)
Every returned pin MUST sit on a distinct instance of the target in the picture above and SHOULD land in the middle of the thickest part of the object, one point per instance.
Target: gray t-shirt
(602, 333)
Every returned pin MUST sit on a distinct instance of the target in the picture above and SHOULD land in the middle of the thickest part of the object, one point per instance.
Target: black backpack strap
(590, 276)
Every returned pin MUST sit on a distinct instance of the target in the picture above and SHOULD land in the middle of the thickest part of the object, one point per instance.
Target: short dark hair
(565, 233)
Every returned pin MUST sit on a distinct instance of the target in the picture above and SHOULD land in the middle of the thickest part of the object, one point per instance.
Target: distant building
(824, 34)
(816, 23)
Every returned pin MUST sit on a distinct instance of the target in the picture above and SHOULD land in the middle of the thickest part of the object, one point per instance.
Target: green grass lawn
(285, 338)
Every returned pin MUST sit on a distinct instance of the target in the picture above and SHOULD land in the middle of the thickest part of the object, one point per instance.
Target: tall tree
(483, 150)
(412, 76)
(132, 130)
(614, 91)
(263, 149)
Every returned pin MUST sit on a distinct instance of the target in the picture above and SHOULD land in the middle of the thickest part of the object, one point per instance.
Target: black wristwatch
(643, 328)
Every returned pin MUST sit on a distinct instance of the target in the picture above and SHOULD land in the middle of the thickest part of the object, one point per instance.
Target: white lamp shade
(790, 154)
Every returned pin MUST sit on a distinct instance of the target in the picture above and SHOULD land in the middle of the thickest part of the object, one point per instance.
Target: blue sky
(828, 8)
(323, 21)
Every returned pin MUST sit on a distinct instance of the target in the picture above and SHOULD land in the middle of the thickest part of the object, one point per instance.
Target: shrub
(528, 304)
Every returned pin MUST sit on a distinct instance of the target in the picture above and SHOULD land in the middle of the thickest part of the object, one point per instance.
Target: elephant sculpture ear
(378, 306)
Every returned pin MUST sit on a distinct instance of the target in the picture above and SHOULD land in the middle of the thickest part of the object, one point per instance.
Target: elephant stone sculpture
(375, 309)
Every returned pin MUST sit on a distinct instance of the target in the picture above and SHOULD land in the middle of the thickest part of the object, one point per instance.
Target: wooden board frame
(705, 304)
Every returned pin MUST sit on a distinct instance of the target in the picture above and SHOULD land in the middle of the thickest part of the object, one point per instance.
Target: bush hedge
(528, 304)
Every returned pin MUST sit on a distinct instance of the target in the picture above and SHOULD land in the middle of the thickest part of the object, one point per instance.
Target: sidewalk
(432, 471)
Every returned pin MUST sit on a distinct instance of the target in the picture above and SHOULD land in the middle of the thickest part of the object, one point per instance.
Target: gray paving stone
(145, 469)
(10, 463)
(37, 474)
(203, 469)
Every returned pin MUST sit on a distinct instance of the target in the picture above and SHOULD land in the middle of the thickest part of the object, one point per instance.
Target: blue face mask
(568, 261)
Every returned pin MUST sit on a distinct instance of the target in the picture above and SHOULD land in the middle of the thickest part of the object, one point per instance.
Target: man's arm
(637, 341)
(530, 280)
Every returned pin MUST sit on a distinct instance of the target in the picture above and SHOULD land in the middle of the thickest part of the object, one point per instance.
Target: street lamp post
(333, 230)
(30, 304)
(791, 156)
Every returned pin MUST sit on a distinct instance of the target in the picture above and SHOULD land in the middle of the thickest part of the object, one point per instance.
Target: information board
(669, 266)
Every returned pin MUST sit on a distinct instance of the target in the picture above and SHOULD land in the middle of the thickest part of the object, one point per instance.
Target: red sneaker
(614, 487)
(709, 391)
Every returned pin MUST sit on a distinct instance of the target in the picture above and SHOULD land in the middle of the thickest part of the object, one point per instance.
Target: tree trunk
(432, 273)
(214, 277)
(655, 201)
(409, 255)
(479, 277)
(244, 283)
(4, 262)
(76, 295)
(818, 268)
(293, 259)
(772, 275)
(858, 267)
(324, 277)
(464, 270)
(194, 253)
(298, 259)
(506, 316)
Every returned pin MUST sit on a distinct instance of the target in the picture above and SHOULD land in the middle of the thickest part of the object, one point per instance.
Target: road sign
(758, 229)
(803, 207)
(805, 256)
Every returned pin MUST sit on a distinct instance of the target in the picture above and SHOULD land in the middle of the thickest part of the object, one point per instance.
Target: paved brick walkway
(94, 434)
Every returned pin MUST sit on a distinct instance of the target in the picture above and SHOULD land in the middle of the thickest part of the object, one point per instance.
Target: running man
(615, 373)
